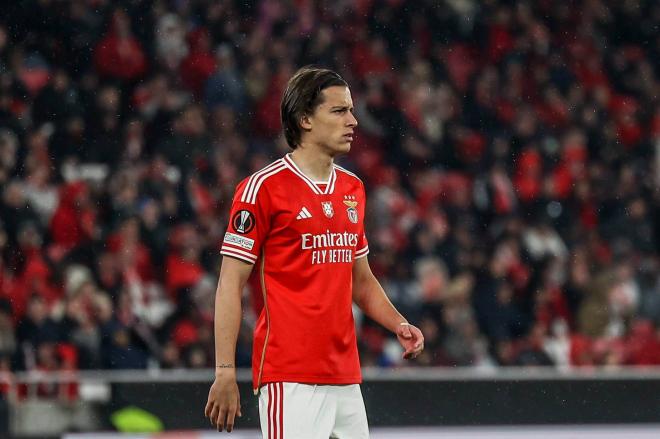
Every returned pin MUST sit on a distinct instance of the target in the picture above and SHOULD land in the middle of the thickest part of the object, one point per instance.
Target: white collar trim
(330, 184)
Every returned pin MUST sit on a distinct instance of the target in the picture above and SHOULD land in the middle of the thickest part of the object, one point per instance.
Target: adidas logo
(304, 214)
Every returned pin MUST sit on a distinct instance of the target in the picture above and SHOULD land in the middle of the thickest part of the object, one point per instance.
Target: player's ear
(305, 122)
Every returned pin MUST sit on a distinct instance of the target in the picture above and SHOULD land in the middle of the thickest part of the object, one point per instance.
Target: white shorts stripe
(272, 402)
(269, 388)
(276, 404)
(281, 410)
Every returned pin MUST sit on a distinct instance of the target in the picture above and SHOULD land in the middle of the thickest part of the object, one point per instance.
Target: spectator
(171, 45)
(119, 55)
(189, 146)
(72, 223)
(225, 85)
(198, 66)
(7, 336)
(121, 345)
(37, 328)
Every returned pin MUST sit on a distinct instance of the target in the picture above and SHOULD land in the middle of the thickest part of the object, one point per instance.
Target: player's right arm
(248, 225)
(224, 401)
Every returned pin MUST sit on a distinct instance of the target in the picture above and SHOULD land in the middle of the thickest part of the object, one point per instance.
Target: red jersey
(304, 237)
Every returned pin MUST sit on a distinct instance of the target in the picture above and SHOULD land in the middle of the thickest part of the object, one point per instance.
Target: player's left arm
(369, 295)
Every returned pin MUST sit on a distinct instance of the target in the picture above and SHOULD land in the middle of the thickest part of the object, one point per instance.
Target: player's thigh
(351, 419)
(296, 411)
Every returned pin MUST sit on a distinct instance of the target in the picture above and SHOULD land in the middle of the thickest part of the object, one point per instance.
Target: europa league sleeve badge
(243, 221)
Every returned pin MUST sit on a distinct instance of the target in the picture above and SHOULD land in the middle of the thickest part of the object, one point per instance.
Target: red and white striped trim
(346, 171)
(330, 188)
(275, 410)
(269, 387)
(238, 253)
(329, 185)
(362, 252)
(256, 180)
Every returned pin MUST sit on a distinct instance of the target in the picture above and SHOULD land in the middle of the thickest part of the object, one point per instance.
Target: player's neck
(314, 164)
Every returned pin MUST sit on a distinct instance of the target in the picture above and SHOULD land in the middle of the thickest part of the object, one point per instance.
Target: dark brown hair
(302, 96)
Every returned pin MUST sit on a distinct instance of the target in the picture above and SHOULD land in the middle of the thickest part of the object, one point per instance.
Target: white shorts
(312, 411)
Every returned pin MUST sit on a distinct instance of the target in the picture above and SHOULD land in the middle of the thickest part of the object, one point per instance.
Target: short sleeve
(362, 248)
(249, 223)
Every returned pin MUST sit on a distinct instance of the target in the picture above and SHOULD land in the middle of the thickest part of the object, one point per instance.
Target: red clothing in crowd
(267, 120)
(461, 62)
(500, 42)
(642, 344)
(367, 61)
(528, 173)
(34, 279)
(200, 64)
(138, 252)
(72, 223)
(185, 333)
(180, 273)
(119, 55)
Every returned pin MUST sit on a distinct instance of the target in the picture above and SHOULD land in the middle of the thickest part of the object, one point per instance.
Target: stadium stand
(511, 152)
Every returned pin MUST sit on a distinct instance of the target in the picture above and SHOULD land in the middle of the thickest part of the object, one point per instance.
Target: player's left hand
(412, 340)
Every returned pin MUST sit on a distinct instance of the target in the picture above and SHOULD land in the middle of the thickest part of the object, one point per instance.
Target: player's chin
(344, 146)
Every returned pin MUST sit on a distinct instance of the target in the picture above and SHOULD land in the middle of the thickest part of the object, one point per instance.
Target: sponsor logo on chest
(330, 248)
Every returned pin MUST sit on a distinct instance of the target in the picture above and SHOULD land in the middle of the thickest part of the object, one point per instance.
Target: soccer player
(301, 221)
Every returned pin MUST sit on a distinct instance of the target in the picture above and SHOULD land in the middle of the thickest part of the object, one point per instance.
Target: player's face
(332, 125)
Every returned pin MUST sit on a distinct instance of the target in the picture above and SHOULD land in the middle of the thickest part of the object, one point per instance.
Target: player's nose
(352, 121)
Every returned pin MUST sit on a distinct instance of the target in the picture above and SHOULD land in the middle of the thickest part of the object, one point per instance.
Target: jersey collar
(329, 185)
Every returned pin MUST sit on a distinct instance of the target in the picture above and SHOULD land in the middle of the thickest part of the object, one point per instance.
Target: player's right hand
(224, 403)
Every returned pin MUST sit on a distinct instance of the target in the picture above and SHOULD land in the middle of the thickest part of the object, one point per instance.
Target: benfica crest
(351, 211)
(327, 209)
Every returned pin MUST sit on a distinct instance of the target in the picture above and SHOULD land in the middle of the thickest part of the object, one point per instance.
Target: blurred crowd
(510, 149)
